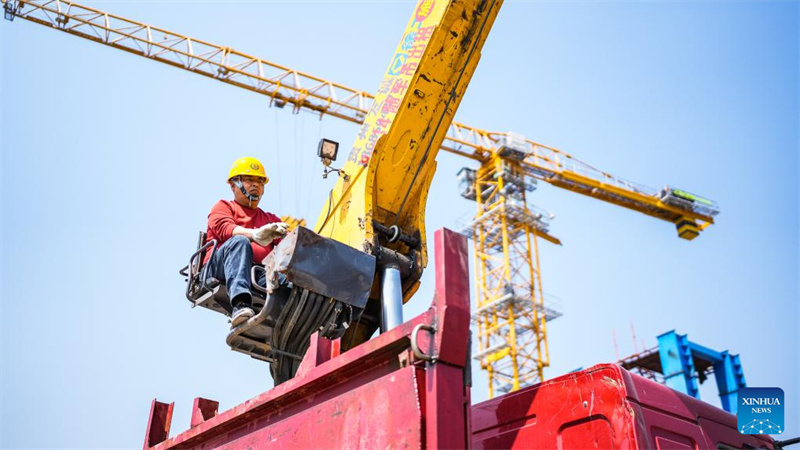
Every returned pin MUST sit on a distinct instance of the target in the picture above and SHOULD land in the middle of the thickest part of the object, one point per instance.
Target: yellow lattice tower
(511, 317)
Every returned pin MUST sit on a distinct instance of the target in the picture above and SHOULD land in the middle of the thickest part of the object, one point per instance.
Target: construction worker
(245, 235)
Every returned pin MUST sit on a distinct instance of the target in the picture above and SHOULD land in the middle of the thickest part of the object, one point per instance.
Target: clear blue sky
(110, 164)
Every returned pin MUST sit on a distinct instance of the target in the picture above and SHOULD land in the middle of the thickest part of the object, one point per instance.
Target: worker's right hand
(269, 232)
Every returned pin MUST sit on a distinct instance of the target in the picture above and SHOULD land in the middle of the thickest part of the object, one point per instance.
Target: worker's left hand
(269, 232)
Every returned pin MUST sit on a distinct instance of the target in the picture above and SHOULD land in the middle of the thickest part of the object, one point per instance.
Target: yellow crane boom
(384, 183)
(691, 213)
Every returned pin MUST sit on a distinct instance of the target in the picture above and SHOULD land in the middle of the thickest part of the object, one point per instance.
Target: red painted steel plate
(604, 407)
(383, 413)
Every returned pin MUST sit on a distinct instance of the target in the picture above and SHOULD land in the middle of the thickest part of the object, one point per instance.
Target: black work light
(327, 149)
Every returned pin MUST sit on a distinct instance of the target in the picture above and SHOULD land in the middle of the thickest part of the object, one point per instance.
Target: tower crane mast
(511, 315)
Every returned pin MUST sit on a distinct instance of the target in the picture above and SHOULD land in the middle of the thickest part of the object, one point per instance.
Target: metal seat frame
(253, 336)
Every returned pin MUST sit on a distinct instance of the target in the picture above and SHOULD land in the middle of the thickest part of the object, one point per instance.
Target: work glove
(269, 232)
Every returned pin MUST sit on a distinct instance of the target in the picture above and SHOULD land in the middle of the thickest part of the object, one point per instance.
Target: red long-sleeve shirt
(227, 215)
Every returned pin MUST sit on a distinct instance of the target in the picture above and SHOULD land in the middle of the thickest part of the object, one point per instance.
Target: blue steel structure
(684, 364)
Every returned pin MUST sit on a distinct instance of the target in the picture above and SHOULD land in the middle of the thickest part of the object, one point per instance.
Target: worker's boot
(241, 311)
(240, 315)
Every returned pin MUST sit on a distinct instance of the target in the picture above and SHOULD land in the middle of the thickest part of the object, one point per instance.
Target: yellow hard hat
(248, 166)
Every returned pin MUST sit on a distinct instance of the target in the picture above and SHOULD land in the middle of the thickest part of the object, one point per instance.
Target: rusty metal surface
(324, 266)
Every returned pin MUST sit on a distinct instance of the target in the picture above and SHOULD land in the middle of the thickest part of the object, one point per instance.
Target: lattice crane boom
(315, 94)
(511, 316)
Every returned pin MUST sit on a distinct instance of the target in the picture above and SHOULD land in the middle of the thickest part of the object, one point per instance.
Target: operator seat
(212, 293)
(251, 338)
(315, 284)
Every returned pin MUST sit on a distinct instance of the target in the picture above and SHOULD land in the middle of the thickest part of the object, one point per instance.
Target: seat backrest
(201, 241)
